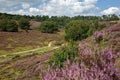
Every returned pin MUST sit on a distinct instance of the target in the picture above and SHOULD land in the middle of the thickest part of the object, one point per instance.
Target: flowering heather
(98, 36)
(91, 64)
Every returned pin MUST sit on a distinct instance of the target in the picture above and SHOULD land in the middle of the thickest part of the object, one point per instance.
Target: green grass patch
(61, 32)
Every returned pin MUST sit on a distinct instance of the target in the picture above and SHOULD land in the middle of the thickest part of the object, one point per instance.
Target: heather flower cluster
(91, 64)
(98, 65)
(98, 36)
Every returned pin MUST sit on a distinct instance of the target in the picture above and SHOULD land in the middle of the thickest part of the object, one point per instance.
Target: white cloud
(21, 12)
(34, 10)
(90, 1)
(68, 7)
(25, 5)
(51, 7)
(111, 10)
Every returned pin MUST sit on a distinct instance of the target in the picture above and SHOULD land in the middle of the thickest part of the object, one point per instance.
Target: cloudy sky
(60, 7)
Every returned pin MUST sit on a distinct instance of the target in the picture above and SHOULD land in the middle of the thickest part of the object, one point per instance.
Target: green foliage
(15, 56)
(95, 26)
(12, 26)
(24, 24)
(65, 52)
(3, 25)
(112, 17)
(78, 30)
(9, 26)
(48, 27)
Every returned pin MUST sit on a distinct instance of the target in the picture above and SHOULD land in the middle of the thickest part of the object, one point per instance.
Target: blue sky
(60, 7)
(105, 4)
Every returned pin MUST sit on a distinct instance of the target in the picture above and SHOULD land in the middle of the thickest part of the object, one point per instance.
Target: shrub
(24, 24)
(78, 30)
(48, 27)
(98, 36)
(3, 25)
(9, 26)
(12, 26)
(60, 56)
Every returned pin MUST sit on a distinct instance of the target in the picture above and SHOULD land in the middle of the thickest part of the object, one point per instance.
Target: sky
(60, 7)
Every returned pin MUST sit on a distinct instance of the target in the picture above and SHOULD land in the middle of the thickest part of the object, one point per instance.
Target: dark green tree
(3, 25)
(48, 27)
(24, 24)
(114, 17)
(80, 29)
(76, 30)
(8, 25)
(12, 26)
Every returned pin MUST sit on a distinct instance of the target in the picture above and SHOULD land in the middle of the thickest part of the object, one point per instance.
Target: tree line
(76, 28)
(59, 18)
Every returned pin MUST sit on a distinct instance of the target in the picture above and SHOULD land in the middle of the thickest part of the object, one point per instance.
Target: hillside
(112, 40)
(34, 24)
(29, 67)
(20, 41)
(112, 36)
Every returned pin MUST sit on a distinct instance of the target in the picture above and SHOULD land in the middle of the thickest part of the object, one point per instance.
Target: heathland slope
(18, 41)
(29, 67)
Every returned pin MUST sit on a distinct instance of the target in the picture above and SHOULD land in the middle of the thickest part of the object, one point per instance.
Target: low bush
(60, 56)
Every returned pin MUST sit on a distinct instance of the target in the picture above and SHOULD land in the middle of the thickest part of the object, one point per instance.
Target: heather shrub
(98, 64)
(60, 55)
(92, 63)
(98, 36)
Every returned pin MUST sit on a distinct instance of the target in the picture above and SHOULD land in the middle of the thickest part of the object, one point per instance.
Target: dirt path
(28, 66)
(32, 50)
